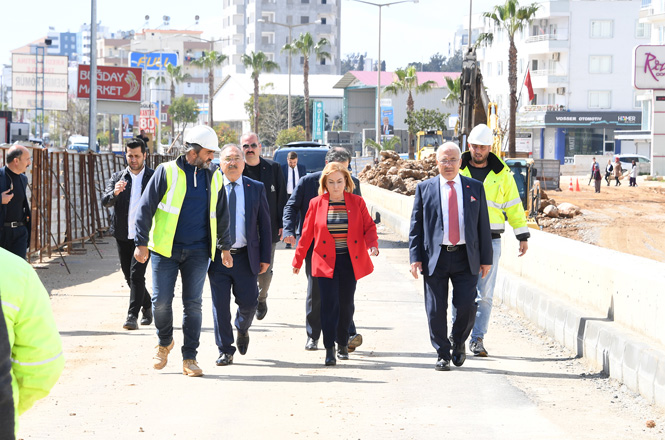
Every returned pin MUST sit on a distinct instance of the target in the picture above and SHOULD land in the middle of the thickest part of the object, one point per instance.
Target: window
(600, 64)
(637, 103)
(521, 65)
(534, 65)
(323, 2)
(289, 19)
(270, 56)
(323, 20)
(643, 30)
(304, 1)
(304, 19)
(601, 28)
(499, 68)
(489, 69)
(302, 60)
(323, 61)
(600, 99)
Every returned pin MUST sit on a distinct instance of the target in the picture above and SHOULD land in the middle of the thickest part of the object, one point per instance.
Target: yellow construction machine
(427, 142)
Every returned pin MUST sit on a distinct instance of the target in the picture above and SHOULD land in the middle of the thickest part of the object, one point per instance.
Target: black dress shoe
(242, 342)
(131, 323)
(442, 365)
(343, 353)
(330, 357)
(459, 355)
(312, 344)
(261, 310)
(147, 316)
(224, 359)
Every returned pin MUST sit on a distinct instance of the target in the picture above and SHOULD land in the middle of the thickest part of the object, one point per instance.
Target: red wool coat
(361, 237)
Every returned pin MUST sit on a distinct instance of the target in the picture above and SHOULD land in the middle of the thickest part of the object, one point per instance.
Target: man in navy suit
(450, 239)
(251, 238)
(294, 215)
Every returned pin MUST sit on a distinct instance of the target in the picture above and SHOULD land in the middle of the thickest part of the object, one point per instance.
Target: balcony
(542, 79)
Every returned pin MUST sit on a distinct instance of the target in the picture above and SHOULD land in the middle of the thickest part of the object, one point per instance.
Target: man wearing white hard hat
(503, 201)
(183, 243)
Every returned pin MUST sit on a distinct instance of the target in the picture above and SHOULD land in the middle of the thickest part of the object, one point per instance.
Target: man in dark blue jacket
(251, 245)
(15, 209)
(123, 193)
(294, 215)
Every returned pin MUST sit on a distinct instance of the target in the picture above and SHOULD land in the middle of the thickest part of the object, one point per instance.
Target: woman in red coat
(344, 237)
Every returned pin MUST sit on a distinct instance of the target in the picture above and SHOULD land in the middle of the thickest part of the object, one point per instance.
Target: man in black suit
(15, 208)
(386, 128)
(251, 238)
(450, 239)
(270, 174)
(294, 215)
(293, 172)
(123, 193)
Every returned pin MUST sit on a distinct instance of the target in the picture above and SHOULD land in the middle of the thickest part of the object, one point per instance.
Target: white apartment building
(264, 25)
(579, 53)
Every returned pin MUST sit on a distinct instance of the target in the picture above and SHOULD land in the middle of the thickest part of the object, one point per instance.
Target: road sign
(113, 83)
(319, 121)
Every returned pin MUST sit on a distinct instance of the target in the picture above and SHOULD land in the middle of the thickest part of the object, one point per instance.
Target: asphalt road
(529, 388)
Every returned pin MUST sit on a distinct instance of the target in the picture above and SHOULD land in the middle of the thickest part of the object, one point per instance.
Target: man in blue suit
(251, 238)
(450, 239)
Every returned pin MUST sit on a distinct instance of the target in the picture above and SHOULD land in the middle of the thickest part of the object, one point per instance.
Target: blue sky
(410, 32)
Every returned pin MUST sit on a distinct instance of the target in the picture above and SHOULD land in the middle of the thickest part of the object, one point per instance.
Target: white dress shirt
(291, 183)
(134, 197)
(241, 236)
(445, 190)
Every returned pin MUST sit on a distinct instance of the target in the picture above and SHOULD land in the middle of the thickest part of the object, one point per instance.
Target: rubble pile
(396, 174)
(549, 208)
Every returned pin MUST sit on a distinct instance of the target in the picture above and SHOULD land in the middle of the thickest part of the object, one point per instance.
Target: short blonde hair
(330, 168)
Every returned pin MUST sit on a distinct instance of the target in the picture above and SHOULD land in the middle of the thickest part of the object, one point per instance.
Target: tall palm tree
(258, 62)
(209, 61)
(306, 47)
(406, 81)
(512, 18)
(176, 77)
(454, 93)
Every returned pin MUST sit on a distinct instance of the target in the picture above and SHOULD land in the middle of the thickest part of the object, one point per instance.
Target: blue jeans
(193, 266)
(485, 289)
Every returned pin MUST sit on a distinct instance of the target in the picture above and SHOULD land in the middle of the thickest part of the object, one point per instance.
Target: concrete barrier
(602, 304)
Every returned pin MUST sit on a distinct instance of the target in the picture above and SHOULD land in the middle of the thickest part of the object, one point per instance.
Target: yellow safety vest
(502, 196)
(165, 221)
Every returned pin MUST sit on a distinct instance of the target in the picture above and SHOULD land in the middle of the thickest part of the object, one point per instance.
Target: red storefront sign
(113, 83)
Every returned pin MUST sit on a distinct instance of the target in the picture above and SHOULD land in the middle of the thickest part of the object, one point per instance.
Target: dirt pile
(396, 174)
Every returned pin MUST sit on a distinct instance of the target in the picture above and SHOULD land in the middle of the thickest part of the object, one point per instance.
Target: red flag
(529, 87)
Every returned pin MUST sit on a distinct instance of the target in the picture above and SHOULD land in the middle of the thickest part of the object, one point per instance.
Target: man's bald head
(18, 158)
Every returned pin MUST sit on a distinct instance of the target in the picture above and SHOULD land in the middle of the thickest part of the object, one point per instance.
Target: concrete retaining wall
(604, 305)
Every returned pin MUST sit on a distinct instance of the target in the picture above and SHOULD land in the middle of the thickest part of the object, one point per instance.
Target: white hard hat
(481, 135)
(204, 136)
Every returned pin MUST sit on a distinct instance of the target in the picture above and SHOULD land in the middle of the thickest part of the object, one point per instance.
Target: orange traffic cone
(577, 185)
(570, 187)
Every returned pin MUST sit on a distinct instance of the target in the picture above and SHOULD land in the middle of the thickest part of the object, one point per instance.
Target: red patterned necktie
(453, 218)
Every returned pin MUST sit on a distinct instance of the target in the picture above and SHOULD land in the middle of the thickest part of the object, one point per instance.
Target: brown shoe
(162, 356)
(191, 368)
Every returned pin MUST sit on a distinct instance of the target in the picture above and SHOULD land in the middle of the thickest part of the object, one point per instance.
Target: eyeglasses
(252, 146)
(449, 161)
(232, 159)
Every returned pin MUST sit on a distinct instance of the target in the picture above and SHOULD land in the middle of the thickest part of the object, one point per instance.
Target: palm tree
(209, 61)
(306, 47)
(176, 77)
(512, 18)
(406, 81)
(258, 62)
(455, 93)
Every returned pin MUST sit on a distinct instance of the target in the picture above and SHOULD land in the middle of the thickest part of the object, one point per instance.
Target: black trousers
(337, 302)
(452, 266)
(15, 240)
(135, 276)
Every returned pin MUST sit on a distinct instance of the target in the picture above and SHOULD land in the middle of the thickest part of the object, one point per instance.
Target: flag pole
(523, 79)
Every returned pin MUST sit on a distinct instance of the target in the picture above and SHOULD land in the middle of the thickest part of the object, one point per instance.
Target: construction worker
(34, 341)
(183, 243)
(503, 201)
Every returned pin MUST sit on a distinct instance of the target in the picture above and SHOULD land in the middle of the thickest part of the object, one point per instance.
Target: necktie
(232, 213)
(293, 178)
(453, 218)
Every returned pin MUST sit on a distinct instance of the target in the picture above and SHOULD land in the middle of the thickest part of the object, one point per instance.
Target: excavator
(476, 108)
(427, 142)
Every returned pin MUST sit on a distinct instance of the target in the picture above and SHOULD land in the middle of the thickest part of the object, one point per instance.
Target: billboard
(31, 76)
(152, 61)
(649, 67)
(319, 117)
(127, 126)
(113, 83)
(148, 118)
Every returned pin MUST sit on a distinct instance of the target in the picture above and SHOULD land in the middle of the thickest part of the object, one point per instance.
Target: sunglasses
(252, 146)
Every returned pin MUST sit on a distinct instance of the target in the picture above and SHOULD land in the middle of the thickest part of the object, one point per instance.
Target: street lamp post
(290, 26)
(377, 119)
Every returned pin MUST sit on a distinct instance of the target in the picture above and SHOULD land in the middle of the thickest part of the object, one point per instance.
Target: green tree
(406, 81)
(306, 47)
(512, 19)
(454, 93)
(292, 134)
(454, 63)
(225, 134)
(176, 76)
(209, 61)
(388, 144)
(424, 119)
(183, 111)
(258, 62)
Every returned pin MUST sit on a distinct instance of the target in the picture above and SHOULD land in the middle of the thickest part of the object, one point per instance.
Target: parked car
(78, 143)
(313, 157)
(643, 162)
(303, 144)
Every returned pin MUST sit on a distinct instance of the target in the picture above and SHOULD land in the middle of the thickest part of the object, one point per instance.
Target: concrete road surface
(527, 389)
